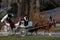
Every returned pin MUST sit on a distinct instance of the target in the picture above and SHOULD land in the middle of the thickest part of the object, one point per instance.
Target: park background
(32, 8)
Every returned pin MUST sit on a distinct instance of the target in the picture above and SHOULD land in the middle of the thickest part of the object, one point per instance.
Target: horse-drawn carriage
(10, 26)
(38, 23)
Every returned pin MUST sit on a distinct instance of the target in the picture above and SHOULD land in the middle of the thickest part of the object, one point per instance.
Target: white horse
(6, 28)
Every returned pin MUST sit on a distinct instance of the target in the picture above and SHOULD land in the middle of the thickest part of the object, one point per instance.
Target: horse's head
(7, 16)
(4, 18)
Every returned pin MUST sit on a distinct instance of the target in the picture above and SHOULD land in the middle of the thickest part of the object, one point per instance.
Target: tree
(14, 9)
(47, 5)
(0, 3)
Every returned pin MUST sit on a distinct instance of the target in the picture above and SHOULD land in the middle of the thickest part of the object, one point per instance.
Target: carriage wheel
(22, 32)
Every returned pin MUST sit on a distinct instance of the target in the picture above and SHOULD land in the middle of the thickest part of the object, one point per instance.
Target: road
(57, 25)
(41, 34)
(52, 35)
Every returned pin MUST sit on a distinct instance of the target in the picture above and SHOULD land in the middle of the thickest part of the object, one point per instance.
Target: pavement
(40, 34)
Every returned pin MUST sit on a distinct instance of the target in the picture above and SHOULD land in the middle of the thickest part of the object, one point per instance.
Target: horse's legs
(49, 31)
(13, 31)
(54, 27)
(35, 32)
(44, 32)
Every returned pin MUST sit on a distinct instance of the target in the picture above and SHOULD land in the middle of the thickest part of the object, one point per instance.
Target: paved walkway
(39, 34)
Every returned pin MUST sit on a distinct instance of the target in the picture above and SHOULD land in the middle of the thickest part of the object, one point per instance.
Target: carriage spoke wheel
(22, 33)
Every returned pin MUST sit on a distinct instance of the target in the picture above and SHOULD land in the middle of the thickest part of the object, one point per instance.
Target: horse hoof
(49, 34)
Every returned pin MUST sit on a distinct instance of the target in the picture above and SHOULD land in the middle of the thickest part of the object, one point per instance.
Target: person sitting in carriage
(26, 20)
(30, 23)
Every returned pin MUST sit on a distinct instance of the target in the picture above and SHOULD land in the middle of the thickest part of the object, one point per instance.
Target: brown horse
(46, 26)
